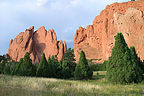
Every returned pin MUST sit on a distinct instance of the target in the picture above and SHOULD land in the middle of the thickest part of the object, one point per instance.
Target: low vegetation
(35, 86)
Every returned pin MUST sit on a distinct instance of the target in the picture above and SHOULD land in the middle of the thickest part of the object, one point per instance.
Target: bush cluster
(98, 66)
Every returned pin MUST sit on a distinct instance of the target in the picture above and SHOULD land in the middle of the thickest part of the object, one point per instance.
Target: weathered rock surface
(97, 40)
(36, 43)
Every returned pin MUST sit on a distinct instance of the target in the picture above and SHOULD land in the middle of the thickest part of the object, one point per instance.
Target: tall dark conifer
(26, 68)
(121, 67)
(43, 69)
(68, 64)
(82, 70)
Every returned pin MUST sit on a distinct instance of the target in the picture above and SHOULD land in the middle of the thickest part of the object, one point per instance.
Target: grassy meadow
(98, 86)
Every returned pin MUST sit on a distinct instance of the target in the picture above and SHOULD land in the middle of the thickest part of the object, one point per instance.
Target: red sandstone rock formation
(139, 0)
(97, 40)
(36, 43)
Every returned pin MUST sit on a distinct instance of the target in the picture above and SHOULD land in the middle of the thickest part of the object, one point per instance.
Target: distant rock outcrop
(97, 40)
(36, 43)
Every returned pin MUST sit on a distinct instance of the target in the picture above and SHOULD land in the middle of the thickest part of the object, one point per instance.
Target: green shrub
(1, 58)
(122, 66)
(98, 67)
(7, 69)
(2, 66)
(82, 70)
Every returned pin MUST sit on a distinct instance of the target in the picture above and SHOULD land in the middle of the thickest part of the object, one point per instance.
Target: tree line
(51, 68)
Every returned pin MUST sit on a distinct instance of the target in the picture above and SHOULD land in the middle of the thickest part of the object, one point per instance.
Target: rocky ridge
(36, 43)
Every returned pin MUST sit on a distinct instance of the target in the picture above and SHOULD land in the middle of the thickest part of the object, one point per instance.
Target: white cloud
(74, 2)
(41, 2)
(57, 5)
(3, 4)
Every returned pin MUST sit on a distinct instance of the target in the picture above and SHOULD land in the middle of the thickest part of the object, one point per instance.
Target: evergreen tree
(68, 64)
(54, 66)
(44, 69)
(82, 70)
(121, 67)
(66, 71)
(6, 69)
(12, 67)
(59, 70)
(17, 69)
(139, 66)
(26, 68)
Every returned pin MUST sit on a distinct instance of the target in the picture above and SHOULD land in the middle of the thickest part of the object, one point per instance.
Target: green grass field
(98, 86)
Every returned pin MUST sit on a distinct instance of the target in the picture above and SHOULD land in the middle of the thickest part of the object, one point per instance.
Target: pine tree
(139, 66)
(6, 69)
(54, 66)
(82, 70)
(43, 69)
(68, 64)
(26, 68)
(59, 70)
(66, 71)
(17, 69)
(121, 67)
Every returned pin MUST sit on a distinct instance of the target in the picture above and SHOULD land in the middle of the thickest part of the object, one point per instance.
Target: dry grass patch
(52, 87)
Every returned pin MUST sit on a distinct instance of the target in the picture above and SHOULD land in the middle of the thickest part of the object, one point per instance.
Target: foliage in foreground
(123, 65)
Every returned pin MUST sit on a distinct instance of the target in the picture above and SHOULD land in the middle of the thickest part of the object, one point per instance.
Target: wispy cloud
(3, 4)
(41, 2)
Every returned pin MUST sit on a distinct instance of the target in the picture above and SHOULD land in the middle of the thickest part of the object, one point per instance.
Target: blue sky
(64, 16)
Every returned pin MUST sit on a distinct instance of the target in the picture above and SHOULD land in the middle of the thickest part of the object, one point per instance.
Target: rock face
(97, 40)
(139, 0)
(36, 43)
